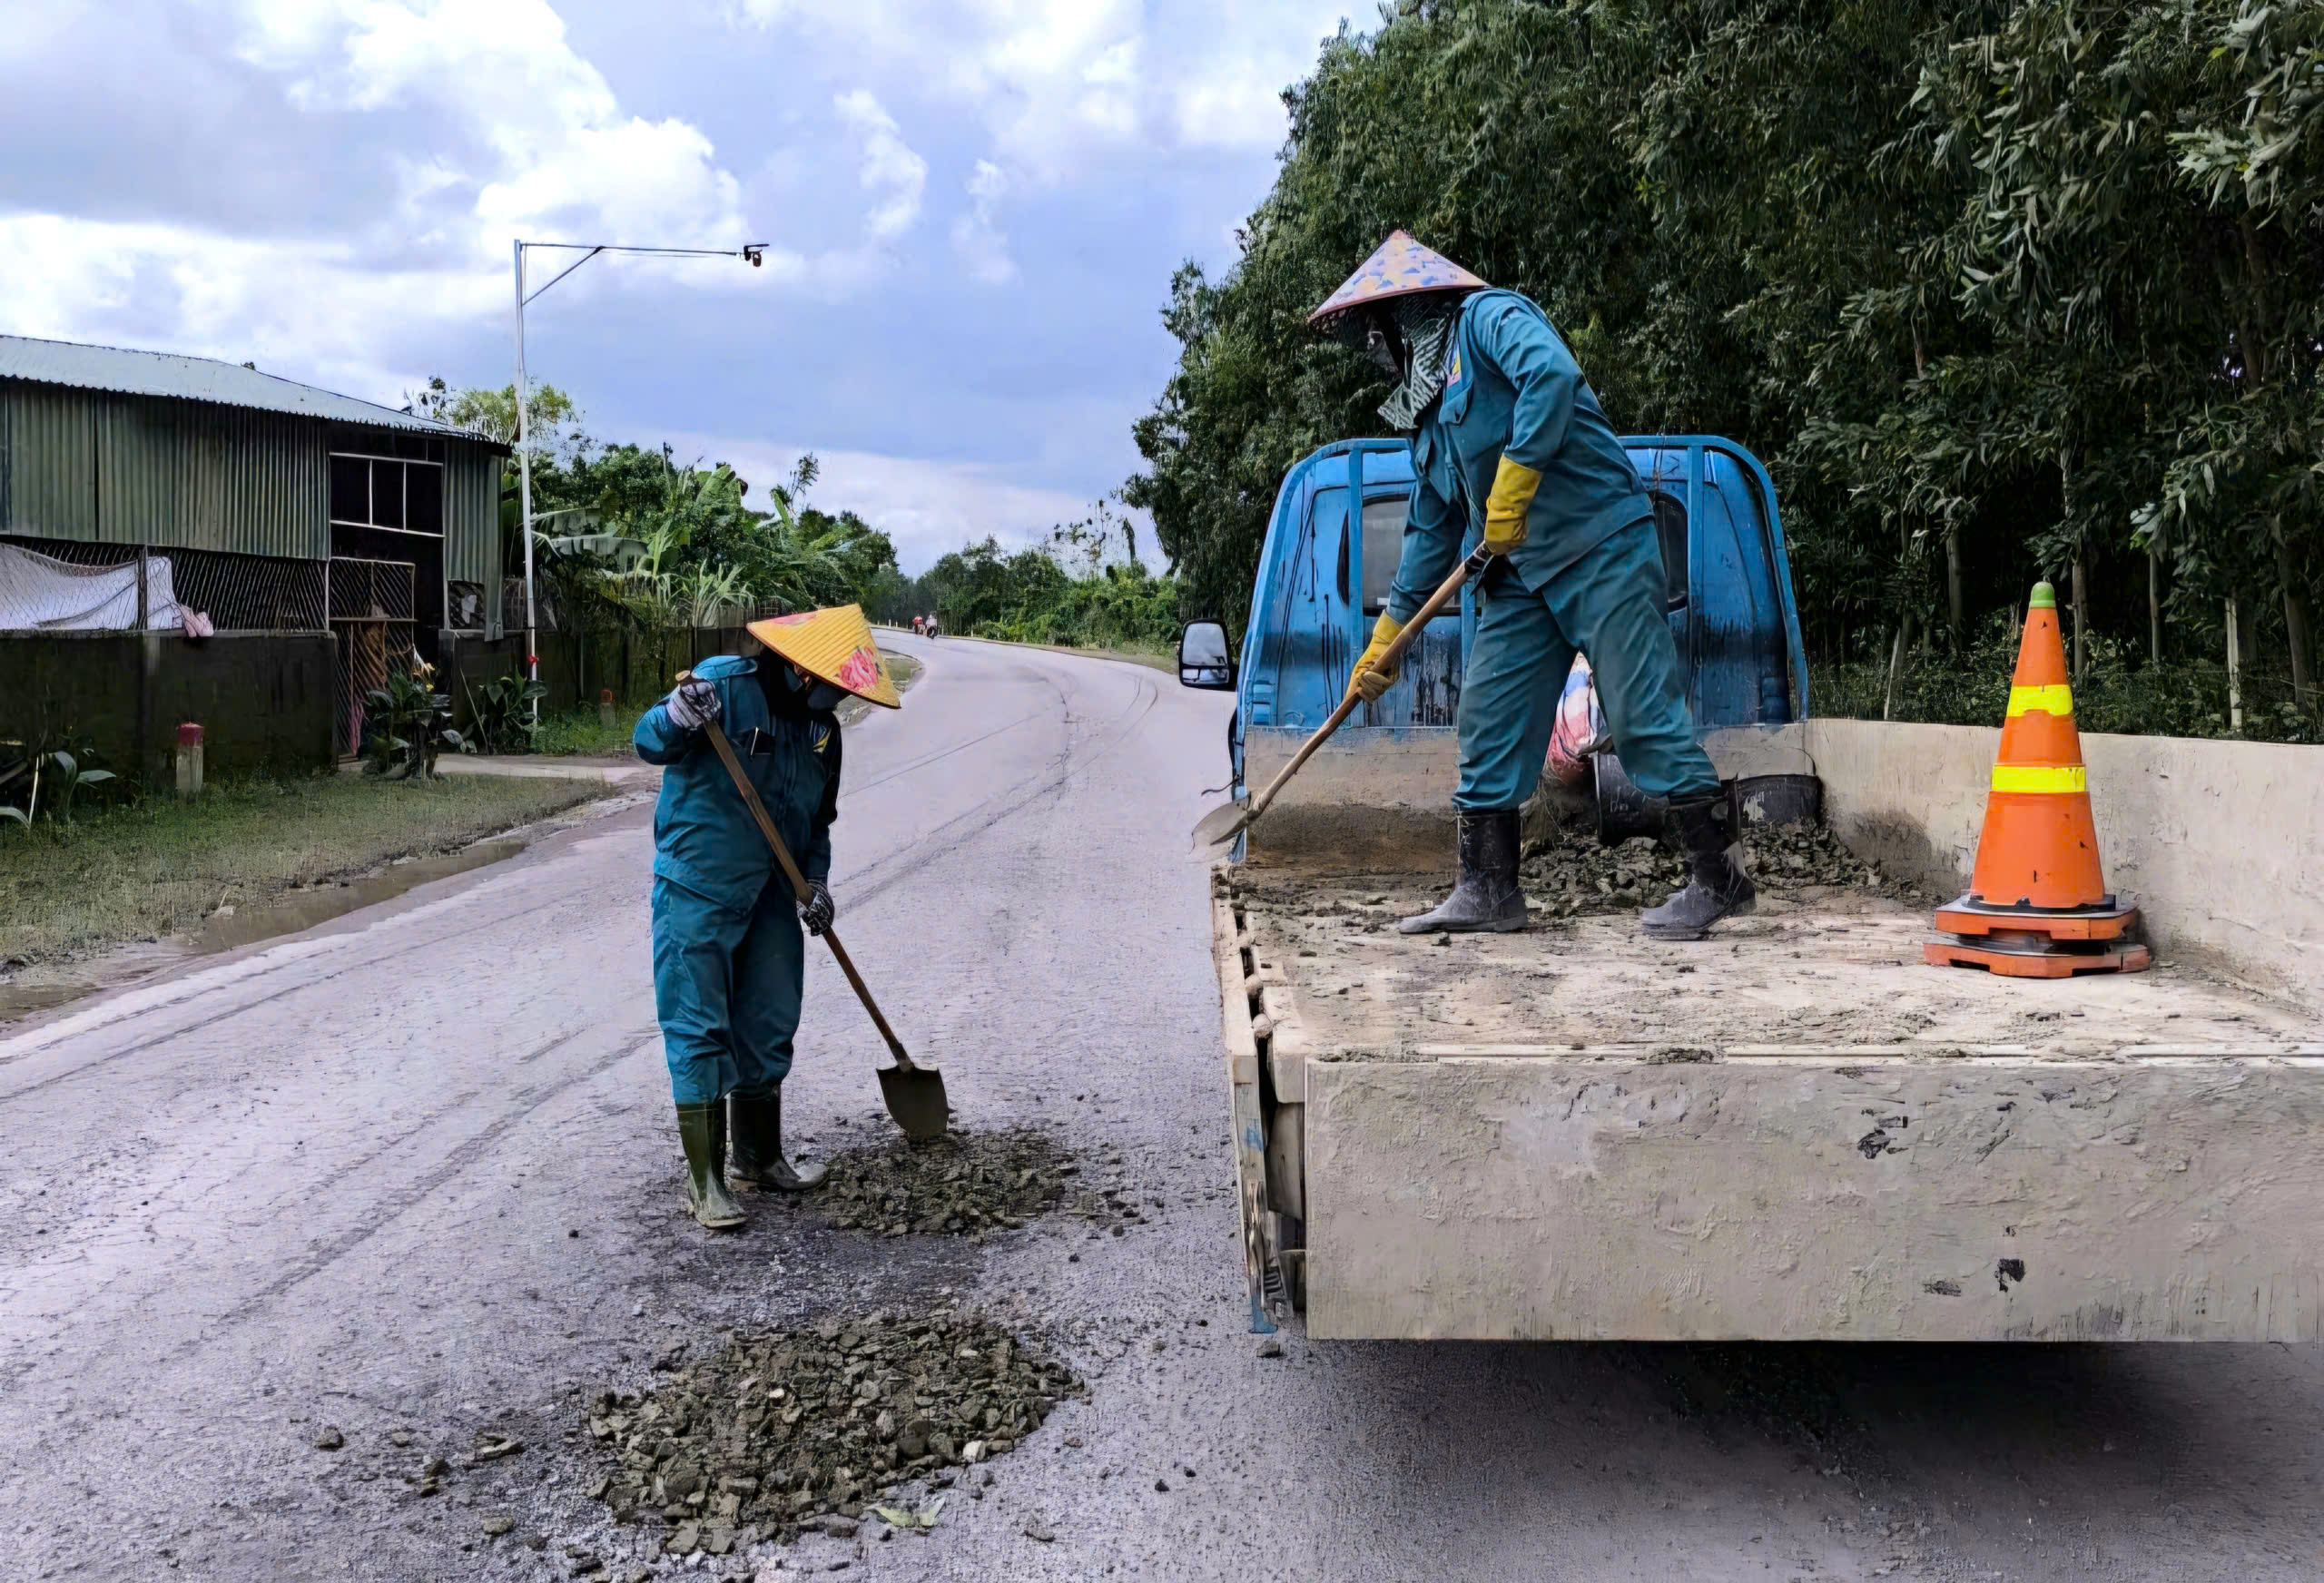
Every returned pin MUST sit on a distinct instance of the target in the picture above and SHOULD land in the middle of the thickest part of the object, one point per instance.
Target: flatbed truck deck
(1792, 1130)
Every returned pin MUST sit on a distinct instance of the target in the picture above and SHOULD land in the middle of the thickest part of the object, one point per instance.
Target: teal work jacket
(704, 837)
(1512, 386)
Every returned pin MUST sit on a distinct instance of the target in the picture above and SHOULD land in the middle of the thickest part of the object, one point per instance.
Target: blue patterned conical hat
(1397, 268)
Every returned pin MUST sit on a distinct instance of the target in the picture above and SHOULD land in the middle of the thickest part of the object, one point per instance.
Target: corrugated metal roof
(171, 374)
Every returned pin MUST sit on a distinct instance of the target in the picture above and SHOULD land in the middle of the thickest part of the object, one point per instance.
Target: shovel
(915, 1095)
(1224, 823)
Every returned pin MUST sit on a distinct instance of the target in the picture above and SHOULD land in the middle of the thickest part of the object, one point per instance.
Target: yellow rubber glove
(1513, 484)
(1364, 679)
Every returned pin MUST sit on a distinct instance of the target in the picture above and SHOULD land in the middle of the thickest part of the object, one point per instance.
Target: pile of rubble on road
(1572, 875)
(963, 1183)
(775, 1433)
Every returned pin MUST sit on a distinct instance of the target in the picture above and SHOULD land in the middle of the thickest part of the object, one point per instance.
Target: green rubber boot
(758, 1147)
(701, 1129)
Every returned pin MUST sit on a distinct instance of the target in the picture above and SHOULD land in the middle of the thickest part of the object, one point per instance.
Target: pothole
(814, 1427)
(964, 1184)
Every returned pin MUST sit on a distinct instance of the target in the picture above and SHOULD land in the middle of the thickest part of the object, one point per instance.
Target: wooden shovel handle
(799, 883)
(1445, 593)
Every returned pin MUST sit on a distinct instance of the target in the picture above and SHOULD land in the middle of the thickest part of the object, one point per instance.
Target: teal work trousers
(726, 988)
(1608, 606)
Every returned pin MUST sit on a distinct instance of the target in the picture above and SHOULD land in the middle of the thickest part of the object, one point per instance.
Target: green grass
(580, 732)
(159, 867)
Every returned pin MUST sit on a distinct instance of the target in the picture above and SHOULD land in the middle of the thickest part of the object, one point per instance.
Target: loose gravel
(964, 1184)
(1573, 876)
(812, 1427)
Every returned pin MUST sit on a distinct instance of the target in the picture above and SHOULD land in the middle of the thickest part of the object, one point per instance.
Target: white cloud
(500, 130)
(478, 122)
(311, 310)
(977, 236)
(891, 170)
(1053, 81)
(545, 148)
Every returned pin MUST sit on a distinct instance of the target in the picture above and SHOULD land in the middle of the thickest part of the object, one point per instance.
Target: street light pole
(754, 253)
(525, 491)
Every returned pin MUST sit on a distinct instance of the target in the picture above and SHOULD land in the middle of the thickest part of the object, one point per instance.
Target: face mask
(824, 695)
(1382, 352)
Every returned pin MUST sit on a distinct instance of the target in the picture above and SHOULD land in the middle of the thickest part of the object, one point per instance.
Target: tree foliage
(1086, 587)
(703, 535)
(2000, 288)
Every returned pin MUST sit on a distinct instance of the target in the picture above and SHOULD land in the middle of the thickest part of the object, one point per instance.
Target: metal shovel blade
(915, 1097)
(1221, 824)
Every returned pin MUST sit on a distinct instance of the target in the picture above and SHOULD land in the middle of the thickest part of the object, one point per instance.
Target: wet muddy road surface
(328, 1256)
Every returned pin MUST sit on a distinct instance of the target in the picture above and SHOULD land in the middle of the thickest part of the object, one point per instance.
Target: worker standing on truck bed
(728, 954)
(1509, 443)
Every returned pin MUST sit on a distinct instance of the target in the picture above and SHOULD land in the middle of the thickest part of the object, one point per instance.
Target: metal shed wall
(193, 476)
(127, 469)
(48, 461)
(472, 523)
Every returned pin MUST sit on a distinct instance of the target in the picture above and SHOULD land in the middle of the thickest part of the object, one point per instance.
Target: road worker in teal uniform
(728, 952)
(1509, 447)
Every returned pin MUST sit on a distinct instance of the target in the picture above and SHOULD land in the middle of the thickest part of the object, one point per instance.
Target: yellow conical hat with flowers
(832, 645)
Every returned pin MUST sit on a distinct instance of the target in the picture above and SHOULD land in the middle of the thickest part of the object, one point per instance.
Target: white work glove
(692, 704)
(815, 913)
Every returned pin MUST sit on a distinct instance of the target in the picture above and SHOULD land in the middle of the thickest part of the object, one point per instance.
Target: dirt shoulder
(161, 867)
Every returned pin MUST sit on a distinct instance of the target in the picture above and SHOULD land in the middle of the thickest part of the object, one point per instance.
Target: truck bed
(1795, 1129)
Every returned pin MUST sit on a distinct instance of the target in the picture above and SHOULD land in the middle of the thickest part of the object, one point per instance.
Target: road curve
(411, 1173)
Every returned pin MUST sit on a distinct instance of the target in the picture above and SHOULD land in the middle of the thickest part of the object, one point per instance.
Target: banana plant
(710, 593)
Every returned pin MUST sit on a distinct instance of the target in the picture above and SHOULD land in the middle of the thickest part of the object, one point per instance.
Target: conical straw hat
(1399, 267)
(833, 645)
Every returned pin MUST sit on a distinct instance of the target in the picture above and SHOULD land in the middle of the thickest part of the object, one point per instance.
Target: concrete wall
(1366, 797)
(2221, 843)
(264, 701)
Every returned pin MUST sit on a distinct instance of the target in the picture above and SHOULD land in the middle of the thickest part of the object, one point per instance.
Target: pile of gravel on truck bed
(773, 1432)
(1572, 875)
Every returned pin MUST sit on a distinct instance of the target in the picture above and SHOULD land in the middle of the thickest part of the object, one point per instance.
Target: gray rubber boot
(758, 1147)
(701, 1129)
(1703, 828)
(1487, 899)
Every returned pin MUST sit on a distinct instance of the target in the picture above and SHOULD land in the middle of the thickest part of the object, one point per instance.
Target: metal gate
(373, 626)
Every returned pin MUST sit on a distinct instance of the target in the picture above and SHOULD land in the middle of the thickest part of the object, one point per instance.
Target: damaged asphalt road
(319, 1260)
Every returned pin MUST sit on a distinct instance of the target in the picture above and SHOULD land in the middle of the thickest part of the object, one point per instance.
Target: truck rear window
(1383, 547)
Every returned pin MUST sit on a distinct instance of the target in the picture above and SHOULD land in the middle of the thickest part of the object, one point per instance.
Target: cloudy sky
(972, 206)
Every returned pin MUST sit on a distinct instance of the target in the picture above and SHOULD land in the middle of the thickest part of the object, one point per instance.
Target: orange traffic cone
(2037, 906)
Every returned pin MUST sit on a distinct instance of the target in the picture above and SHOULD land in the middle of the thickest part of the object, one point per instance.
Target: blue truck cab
(1331, 549)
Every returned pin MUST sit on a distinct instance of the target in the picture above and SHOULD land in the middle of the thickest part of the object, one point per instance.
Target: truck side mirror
(1203, 660)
